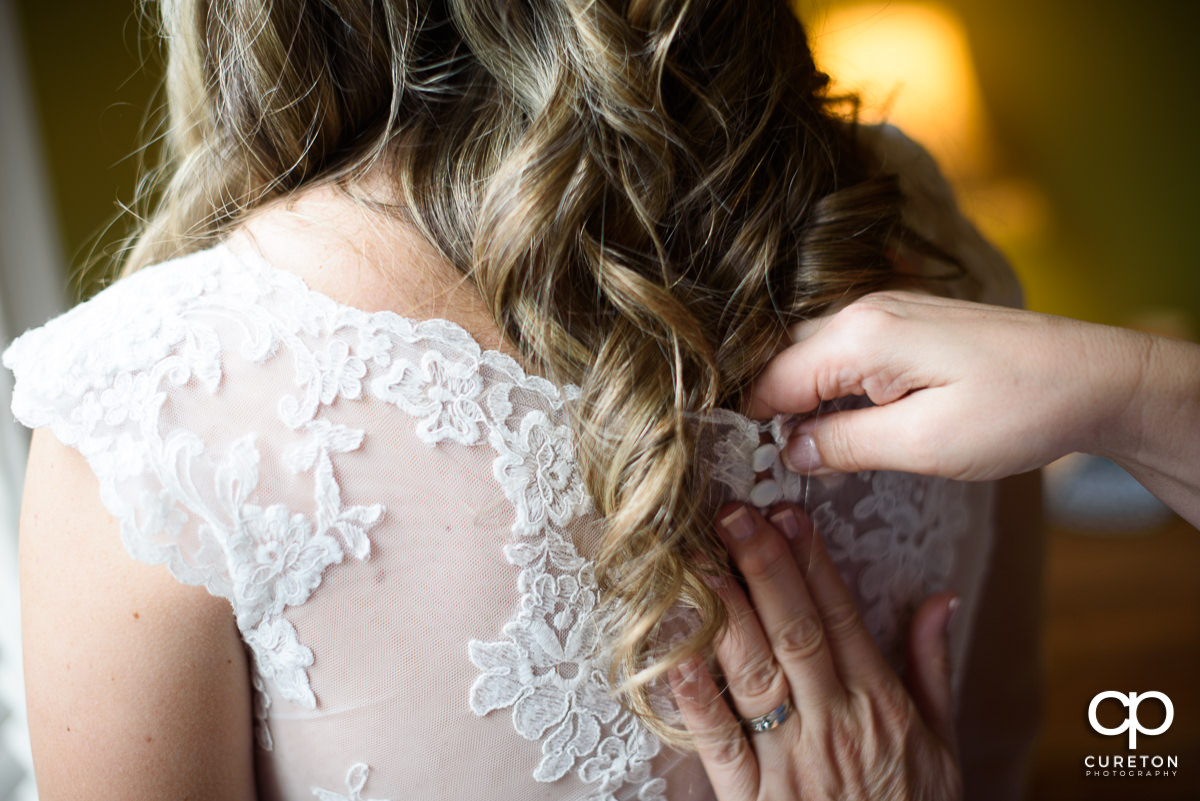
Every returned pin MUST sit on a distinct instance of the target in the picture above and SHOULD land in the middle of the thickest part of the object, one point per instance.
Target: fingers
(722, 746)
(853, 352)
(874, 438)
(757, 683)
(929, 665)
(934, 432)
(792, 632)
(836, 362)
(790, 384)
(797, 619)
(809, 617)
(856, 657)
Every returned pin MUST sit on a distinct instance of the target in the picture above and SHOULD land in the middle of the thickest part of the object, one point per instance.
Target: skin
(964, 391)
(975, 392)
(856, 732)
(137, 685)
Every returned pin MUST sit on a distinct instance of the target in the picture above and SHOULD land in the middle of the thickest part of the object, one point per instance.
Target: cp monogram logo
(1131, 722)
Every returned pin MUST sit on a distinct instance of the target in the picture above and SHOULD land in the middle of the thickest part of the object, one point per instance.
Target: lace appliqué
(544, 669)
(356, 781)
(547, 672)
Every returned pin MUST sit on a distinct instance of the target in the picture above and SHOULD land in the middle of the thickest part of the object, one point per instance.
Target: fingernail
(689, 670)
(785, 520)
(680, 684)
(800, 532)
(801, 454)
(738, 523)
(715, 581)
(951, 611)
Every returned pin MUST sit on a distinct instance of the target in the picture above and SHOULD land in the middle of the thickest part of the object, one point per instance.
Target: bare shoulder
(138, 685)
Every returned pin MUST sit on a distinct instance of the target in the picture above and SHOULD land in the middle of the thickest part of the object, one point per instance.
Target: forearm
(1156, 437)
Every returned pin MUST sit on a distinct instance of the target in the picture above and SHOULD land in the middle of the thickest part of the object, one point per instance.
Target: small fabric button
(764, 457)
(765, 493)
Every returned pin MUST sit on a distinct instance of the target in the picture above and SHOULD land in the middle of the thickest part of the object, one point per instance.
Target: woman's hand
(969, 391)
(961, 390)
(796, 653)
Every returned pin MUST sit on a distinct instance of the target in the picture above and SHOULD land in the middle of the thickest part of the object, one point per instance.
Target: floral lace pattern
(193, 507)
(356, 781)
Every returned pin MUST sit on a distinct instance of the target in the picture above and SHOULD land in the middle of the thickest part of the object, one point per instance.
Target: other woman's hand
(834, 721)
(961, 390)
(969, 391)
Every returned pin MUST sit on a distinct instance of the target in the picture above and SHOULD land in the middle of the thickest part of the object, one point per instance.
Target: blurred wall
(1097, 101)
(85, 64)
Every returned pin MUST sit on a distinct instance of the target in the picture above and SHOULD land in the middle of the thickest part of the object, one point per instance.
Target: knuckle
(756, 679)
(857, 336)
(845, 742)
(726, 746)
(842, 621)
(894, 707)
(801, 638)
(868, 318)
(763, 558)
(889, 299)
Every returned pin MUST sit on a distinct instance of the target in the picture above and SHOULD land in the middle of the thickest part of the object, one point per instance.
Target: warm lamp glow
(910, 65)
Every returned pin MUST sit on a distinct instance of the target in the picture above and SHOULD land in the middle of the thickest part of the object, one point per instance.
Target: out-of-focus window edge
(31, 291)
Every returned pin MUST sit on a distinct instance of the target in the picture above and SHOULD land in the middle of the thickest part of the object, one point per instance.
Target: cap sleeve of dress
(102, 377)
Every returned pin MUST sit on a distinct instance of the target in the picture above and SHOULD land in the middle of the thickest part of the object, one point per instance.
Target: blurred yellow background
(1075, 148)
(1068, 127)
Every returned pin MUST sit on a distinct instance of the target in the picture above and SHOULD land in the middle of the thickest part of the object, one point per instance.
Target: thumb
(929, 665)
(853, 441)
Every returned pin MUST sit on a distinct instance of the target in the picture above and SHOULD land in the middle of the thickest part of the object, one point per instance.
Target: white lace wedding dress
(398, 520)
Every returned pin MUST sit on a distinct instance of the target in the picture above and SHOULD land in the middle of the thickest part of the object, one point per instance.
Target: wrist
(1123, 391)
(1158, 380)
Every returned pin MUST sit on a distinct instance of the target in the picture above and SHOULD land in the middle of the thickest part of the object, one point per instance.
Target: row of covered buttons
(767, 491)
